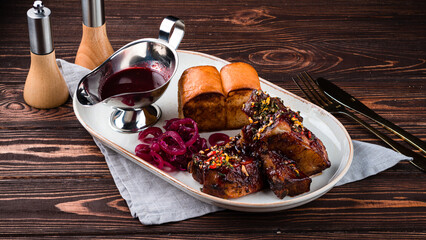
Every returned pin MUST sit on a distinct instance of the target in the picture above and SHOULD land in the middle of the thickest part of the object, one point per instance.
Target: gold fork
(313, 92)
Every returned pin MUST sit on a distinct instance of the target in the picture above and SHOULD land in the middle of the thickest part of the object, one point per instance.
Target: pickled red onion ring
(169, 122)
(180, 126)
(169, 167)
(142, 148)
(154, 131)
(192, 139)
(218, 139)
(157, 159)
(174, 147)
(155, 147)
(175, 123)
(161, 163)
(142, 151)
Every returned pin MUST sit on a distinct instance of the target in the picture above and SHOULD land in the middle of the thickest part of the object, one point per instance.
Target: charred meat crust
(234, 183)
(283, 175)
(225, 173)
(276, 127)
(274, 150)
(309, 158)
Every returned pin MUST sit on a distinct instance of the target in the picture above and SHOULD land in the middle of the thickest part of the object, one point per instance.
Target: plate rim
(280, 205)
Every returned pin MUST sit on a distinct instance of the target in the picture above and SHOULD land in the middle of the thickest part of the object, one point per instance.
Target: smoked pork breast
(277, 127)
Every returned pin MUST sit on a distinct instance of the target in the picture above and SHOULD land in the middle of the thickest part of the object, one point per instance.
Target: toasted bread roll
(201, 98)
(238, 81)
(239, 75)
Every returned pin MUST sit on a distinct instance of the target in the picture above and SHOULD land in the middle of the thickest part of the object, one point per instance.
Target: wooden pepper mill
(95, 47)
(44, 87)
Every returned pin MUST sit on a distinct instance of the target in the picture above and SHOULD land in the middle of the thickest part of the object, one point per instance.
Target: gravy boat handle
(172, 30)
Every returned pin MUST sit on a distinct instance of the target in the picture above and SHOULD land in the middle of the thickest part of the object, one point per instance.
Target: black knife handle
(418, 161)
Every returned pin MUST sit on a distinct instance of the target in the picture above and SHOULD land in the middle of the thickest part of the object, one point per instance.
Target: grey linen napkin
(154, 201)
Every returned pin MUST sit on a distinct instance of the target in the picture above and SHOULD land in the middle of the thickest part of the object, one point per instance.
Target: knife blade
(351, 102)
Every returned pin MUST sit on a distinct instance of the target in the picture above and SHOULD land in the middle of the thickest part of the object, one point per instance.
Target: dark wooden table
(54, 181)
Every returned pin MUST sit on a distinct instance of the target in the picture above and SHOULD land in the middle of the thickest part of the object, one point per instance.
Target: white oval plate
(327, 128)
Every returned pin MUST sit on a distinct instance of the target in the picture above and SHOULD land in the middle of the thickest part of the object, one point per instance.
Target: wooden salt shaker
(44, 87)
(95, 47)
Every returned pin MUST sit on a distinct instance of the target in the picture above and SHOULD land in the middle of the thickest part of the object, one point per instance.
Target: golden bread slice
(238, 81)
(201, 97)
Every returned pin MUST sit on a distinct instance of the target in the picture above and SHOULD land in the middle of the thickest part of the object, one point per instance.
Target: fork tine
(313, 95)
(319, 92)
(312, 99)
(307, 81)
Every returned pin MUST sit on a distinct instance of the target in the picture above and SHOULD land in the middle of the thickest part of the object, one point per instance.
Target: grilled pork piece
(274, 126)
(226, 173)
(283, 175)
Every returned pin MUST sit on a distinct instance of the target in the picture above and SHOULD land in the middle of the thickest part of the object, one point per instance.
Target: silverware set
(336, 101)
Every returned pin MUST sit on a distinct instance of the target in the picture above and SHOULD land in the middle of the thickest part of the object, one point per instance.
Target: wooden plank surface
(54, 182)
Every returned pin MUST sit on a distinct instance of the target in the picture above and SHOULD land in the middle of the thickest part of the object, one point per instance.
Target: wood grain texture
(87, 206)
(54, 182)
(45, 87)
(94, 48)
